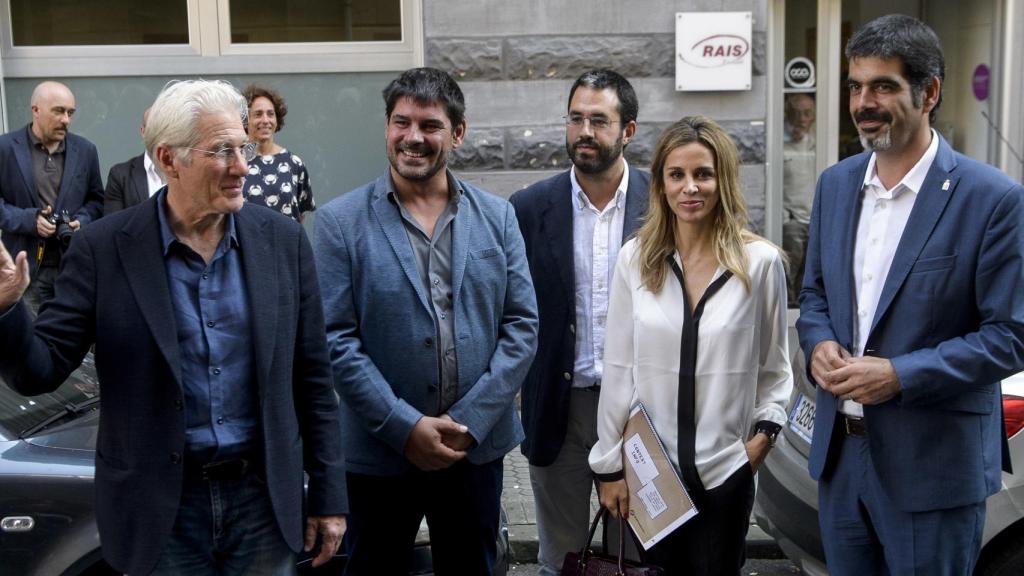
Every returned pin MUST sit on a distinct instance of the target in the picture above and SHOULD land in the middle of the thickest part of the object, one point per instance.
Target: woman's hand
(615, 497)
(757, 449)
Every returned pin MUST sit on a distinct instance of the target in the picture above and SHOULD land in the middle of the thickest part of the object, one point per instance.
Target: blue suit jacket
(950, 317)
(81, 189)
(545, 217)
(381, 332)
(113, 291)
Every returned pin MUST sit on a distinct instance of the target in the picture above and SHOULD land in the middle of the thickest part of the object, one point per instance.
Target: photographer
(50, 186)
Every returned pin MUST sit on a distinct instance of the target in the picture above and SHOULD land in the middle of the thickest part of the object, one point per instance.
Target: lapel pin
(945, 185)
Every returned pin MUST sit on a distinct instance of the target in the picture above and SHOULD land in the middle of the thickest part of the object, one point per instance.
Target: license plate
(801, 418)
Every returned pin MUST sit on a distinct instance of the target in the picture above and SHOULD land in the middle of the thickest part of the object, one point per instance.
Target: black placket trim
(687, 418)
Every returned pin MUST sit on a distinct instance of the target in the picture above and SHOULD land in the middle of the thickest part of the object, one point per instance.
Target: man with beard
(911, 314)
(432, 324)
(574, 224)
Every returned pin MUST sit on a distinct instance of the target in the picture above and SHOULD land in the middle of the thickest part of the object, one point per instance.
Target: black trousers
(462, 506)
(714, 542)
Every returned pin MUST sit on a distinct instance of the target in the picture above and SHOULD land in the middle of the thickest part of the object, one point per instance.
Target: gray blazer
(380, 329)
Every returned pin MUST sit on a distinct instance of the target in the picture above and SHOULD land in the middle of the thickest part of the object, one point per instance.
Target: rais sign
(713, 51)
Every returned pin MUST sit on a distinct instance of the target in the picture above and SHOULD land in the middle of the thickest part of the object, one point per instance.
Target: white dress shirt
(596, 239)
(742, 374)
(883, 217)
(153, 178)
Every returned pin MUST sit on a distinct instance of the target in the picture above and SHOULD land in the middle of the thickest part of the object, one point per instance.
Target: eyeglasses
(225, 154)
(596, 124)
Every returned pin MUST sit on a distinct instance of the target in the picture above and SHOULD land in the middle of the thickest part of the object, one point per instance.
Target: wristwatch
(769, 429)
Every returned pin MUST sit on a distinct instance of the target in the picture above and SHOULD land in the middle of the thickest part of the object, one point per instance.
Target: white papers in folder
(640, 458)
(653, 502)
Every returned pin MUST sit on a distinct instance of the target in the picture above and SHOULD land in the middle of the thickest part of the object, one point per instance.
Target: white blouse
(742, 374)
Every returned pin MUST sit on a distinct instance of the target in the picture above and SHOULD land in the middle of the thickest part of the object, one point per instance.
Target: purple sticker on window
(980, 82)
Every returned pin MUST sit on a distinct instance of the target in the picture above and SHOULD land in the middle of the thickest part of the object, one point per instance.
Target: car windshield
(19, 413)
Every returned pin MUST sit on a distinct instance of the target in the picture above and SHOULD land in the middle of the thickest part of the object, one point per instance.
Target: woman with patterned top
(277, 178)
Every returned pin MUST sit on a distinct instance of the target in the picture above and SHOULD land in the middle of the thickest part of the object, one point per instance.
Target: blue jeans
(225, 527)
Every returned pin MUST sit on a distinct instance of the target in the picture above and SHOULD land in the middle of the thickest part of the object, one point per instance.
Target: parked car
(787, 497)
(47, 517)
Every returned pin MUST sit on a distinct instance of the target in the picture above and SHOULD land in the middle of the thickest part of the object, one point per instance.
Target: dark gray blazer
(127, 185)
(113, 291)
(544, 211)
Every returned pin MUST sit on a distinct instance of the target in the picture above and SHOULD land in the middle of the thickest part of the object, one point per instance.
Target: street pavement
(517, 502)
(751, 568)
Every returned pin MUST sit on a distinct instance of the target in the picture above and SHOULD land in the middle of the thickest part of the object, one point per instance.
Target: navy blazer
(381, 333)
(127, 185)
(950, 318)
(544, 210)
(80, 193)
(113, 291)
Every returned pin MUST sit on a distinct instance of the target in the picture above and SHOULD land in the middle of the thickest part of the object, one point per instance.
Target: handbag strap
(622, 545)
(585, 553)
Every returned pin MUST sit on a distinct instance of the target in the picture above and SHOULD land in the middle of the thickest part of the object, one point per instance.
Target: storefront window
(98, 23)
(799, 152)
(264, 21)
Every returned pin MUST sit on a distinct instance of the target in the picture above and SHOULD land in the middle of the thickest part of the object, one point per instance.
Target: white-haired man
(211, 354)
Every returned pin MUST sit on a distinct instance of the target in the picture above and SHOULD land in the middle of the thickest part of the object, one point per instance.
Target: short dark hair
(254, 91)
(426, 86)
(609, 79)
(910, 41)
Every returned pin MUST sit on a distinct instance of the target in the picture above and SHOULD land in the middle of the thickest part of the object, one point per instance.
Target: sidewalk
(517, 501)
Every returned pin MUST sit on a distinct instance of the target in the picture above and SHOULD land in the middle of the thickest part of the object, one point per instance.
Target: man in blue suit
(574, 224)
(46, 171)
(911, 314)
(432, 325)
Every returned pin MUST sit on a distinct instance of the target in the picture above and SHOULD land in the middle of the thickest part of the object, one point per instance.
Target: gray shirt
(47, 172)
(434, 262)
(47, 169)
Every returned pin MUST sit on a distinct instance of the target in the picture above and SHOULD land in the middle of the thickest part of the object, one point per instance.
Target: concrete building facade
(516, 61)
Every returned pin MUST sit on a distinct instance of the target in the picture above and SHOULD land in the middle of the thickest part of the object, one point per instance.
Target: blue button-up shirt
(211, 313)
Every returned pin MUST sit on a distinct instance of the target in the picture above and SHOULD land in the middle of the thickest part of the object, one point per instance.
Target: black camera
(64, 230)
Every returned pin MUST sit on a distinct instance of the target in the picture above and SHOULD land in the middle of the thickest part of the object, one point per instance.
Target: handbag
(587, 562)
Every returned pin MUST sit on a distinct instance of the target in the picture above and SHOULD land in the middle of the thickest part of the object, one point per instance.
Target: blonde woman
(697, 332)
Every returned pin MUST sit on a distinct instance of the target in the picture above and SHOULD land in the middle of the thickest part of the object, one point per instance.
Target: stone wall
(517, 59)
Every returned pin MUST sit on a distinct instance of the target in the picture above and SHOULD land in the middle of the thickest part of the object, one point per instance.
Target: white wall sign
(713, 51)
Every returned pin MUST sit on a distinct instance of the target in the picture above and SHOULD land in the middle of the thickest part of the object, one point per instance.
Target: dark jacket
(544, 211)
(113, 292)
(80, 193)
(127, 185)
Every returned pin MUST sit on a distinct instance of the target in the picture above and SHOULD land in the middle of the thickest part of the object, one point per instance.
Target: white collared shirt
(742, 374)
(883, 217)
(153, 178)
(596, 239)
